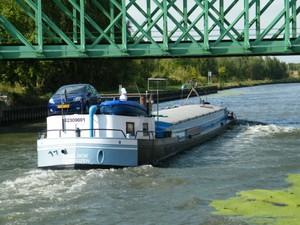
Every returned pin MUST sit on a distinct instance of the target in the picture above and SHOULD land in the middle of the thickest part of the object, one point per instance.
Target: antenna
(137, 87)
(193, 89)
(154, 85)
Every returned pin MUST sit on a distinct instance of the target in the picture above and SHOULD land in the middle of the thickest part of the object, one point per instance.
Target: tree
(222, 75)
(257, 69)
(276, 69)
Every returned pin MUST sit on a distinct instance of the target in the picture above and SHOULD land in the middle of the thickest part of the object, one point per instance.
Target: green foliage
(40, 77)
(257, 69)
(11, 11)
(222, 75)
(46, 76)
(294, 66)
(275, 68)
(223, 69)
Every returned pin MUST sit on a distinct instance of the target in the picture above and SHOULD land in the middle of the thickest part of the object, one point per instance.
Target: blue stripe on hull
(87, 155)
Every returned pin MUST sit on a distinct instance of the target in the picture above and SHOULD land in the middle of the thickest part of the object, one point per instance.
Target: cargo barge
(122, 133)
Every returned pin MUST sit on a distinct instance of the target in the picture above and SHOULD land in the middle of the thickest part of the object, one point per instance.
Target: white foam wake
(267, 130)
(44, 185)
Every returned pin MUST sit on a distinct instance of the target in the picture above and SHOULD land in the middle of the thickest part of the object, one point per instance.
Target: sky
(266, 18)
(290, 59)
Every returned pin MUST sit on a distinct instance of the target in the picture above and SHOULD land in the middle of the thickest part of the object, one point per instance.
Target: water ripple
(178, 191)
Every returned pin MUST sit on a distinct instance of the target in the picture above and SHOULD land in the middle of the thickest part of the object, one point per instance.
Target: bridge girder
(151, 28)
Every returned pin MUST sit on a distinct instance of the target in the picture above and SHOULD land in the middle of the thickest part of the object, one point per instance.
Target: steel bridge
(148, 28)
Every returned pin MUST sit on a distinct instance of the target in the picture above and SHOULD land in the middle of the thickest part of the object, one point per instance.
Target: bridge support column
(112, 17)
(294, 18)
(206, 32)
(165, 26)
(246, 25)
(74, 19)
(257, 17)
(149, 16)
(39, 25)
(185, 17)
(222, 16)
(124, 27)
(287, 25)
(82, 25)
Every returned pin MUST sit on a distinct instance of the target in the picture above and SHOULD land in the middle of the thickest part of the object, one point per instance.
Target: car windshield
(72, 89)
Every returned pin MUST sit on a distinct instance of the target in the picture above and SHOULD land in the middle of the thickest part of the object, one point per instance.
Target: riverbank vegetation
(41, 78)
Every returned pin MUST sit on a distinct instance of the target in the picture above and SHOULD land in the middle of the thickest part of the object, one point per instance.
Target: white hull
(65, 148)
(87, 152)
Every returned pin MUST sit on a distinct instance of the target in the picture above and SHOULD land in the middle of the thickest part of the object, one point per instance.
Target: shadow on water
(250, 122)
(23, 127)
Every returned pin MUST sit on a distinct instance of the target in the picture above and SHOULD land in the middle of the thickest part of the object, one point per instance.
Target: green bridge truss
(149, 28)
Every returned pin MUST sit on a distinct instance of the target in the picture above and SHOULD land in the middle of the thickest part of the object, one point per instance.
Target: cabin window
(130, 128)
(145, 129)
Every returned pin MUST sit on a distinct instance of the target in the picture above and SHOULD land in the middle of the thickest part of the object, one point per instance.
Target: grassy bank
(249, 83)
(6, 89)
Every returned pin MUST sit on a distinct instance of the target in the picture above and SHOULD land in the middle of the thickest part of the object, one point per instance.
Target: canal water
(179, 191)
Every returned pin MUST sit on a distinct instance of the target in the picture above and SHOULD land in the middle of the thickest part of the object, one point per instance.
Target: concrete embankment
(17, 114)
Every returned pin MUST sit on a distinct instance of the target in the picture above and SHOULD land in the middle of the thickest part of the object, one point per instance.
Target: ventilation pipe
(92, 112)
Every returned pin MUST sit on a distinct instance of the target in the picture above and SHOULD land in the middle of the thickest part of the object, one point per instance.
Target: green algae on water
(274, 207)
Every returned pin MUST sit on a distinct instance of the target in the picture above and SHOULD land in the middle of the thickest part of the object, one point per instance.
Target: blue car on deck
(73, 98)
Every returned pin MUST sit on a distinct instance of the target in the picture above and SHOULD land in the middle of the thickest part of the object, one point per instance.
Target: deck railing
(78, 133)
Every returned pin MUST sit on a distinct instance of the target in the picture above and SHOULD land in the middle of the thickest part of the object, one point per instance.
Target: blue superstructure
(161, 129)
(124, 108)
